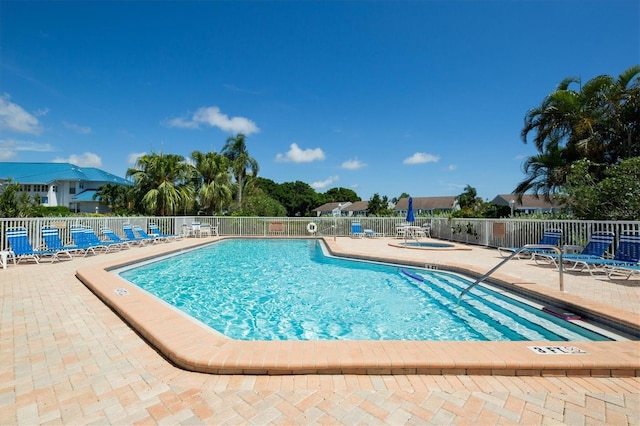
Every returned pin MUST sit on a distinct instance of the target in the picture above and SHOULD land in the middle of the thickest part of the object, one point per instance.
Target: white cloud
(420, 158)
(10, 147)
(452, 167)
(83, 130)
(6, 155)
(324, 183)
(297, 155)
(212, 117)
(15, 119)
(132, 158)
(354, 164)
(87, 159)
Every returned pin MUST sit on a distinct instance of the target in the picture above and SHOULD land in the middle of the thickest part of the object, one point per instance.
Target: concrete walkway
(67, 358)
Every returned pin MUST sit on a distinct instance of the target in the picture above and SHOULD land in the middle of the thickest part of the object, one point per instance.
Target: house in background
(61, 184)
(359, 208)
(426, 205)
(529, 204)
(331, 209)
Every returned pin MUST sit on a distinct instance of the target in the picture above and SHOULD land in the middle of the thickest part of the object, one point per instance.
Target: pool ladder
(514, 254)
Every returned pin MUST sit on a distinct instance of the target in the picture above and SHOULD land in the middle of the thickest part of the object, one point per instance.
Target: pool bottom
(195, 347)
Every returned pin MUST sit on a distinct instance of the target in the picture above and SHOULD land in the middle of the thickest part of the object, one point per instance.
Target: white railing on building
(483, 232)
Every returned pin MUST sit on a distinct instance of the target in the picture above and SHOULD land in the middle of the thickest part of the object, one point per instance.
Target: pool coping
(196, 347)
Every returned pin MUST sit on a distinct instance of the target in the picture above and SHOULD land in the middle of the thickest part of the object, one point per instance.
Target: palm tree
(235, 149)
(599, 122)
(214, 190)
(163, 183)
(113, 195)
(546, 173)
(469, 198)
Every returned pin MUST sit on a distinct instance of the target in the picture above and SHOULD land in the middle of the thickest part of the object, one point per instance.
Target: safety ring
(312, 227)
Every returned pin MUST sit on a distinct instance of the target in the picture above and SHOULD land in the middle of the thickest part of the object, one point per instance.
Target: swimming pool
(426, 244)
(290, 290)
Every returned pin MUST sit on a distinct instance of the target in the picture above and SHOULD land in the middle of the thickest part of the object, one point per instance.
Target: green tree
(259, 203)
(614, 197)
(396, 199)
(469, 198)
(235, 149)
(14, 202)
(377, 205)
(163, 184)
(599, 122)
(115, 196)
(298, 197)
(337, 195)
(214, 187)
(268, 186)
(545, 172)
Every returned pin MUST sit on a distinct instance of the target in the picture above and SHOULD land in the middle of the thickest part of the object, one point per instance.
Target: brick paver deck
(67, 358)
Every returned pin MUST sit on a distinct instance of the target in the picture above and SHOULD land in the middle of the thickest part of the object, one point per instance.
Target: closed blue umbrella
(410, 217)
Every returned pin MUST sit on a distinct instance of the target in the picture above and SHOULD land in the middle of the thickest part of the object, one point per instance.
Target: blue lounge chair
(628, 270)
(595, 249)
(52, 241)
(356, 230)
(154, 231)
(81, 239)
(143, 234)
(132, 237)
(115, 238)
(550, 237)
(93, 240)
(23, 250)
(627, 254)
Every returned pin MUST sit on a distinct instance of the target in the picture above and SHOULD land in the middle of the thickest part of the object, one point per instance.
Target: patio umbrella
(410, 217)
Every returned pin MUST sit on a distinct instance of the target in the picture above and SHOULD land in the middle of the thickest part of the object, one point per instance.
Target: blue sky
(422, 97)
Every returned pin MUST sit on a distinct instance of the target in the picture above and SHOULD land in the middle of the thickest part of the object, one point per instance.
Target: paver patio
(67, 358)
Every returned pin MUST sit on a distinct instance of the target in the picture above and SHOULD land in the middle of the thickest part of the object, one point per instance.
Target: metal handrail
(515, 253)
(317, 233)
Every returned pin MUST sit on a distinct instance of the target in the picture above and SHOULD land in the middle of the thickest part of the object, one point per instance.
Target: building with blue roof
(61, 184)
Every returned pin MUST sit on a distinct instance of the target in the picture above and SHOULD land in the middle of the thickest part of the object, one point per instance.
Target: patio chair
(205, 230)
(372, 234)
(143, 234)
(627, 254)
(550, 237)
(133, 238)
(115, 238)
(81, 239)
(595, 249)
(356, 230)
(628, 270)
(22, 249)
(95, 241)
(52, 241)
(154, 231)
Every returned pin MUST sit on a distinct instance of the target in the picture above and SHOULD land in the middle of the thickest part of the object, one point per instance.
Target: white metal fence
(483, 232)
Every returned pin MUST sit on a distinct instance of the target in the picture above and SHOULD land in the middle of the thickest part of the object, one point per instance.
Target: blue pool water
(289, 290)
(427, 244)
